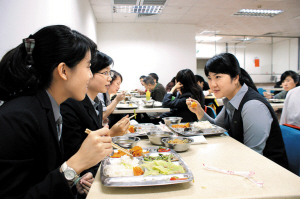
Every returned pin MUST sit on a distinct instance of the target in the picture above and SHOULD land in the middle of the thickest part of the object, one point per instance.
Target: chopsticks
(88, 131)
(132, 116)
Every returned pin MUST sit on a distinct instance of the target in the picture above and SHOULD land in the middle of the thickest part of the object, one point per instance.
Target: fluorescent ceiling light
(138, 9)
(245, 39)
(206, 38)
(257, 13)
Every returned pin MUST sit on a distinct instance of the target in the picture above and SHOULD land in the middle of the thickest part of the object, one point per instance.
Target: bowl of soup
(155, 137)
(126, 141)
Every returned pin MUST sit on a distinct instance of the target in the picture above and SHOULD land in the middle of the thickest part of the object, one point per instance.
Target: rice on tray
(121, 167)
(202, 125)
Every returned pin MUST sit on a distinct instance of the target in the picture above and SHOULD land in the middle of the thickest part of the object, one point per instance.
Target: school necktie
(59, 127)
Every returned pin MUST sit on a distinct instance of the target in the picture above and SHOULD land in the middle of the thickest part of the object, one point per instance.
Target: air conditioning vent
(148, 16)
(125, 2)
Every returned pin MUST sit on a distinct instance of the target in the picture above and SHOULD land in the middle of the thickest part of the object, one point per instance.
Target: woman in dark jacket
(187, 87)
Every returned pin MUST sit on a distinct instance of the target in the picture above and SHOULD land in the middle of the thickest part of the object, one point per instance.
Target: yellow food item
(137, 171)
(131, 129)
(130, 105)
(194, 104)
(181, 125)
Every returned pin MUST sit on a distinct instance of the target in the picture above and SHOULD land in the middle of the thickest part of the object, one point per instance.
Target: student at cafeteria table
(204, 85)
(154, 76)
(187, 87)
(141, 92)
(247, 115)
(80, 115)
(171, 84)
(158, 91)
(291, 108)
(109, 104)
(47, 68)
(289, 80)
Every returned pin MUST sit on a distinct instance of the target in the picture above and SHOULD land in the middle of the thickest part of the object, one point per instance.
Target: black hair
(187, 78)
(226, 63)
(200, 79)
(53, 45)
(154, 76)
(292, 74)
(116, 74)
(173, 80)
(148, 80)
(143, 76)
(100, 62)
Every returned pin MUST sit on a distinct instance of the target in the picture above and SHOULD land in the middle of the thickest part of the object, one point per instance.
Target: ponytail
(29, 66)
(245, 78)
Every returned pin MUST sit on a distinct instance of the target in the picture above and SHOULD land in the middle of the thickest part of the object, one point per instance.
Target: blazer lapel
(46, 104)
(91, 111)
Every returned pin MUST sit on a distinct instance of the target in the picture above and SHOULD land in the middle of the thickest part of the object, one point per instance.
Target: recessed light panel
(138, 9)
(257, 13)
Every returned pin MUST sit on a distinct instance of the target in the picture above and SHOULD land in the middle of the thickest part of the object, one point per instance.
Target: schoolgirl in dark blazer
(36, 77)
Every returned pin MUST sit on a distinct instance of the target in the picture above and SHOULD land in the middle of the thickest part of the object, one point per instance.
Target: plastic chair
(210, 111)
(261, 91)
(291, 138)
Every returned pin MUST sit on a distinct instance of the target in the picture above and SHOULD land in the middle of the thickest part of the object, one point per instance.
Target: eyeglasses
(108, 74)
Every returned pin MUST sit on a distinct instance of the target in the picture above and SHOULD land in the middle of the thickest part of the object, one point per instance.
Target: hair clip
(29, 46)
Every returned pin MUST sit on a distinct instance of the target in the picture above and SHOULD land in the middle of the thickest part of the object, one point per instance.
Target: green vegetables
(159, 157)
(158, 167)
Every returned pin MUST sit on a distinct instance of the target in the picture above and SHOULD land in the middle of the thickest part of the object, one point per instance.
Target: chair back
(291, 138)
(261, 91)
(210, 111)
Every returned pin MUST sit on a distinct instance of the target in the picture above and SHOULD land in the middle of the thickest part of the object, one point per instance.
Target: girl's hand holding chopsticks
(94, 148)
(120, 128)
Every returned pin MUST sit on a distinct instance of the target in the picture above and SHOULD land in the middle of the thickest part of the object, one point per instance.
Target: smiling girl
(47, 68)
(246, 115)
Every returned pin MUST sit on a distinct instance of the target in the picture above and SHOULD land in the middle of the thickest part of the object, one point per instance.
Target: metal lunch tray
(139, 181)
(143, 129)
(216, 130)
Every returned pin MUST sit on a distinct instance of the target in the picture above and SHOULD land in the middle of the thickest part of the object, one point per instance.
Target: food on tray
(130, 105)
(158, 167)
(161, 157)
(121, 167)
(194, 104)
(177, 141)
(162, 149)
(132, 129)
(137, 171)
(203, 125)
(181, 125)
(135, 151)
(176, 178)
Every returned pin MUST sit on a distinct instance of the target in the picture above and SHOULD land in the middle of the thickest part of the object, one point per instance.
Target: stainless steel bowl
(156, 136)
(172, 120)
(126, 141)
(178, 147)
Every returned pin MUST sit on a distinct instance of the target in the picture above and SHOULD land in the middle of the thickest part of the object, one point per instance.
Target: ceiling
(215, 17)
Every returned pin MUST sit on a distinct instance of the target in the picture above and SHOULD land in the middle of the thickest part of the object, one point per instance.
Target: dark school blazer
(30, 154)
(78, 116)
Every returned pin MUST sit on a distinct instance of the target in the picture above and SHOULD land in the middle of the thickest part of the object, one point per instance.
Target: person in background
(171, 84)
(154, 76)
(291, 108)
(204, 85)
(289, 80)
(87, 114)
(157, 90)
(141, 92)
(187, 87)
(109, 104)
(47, 68)
(247, 115)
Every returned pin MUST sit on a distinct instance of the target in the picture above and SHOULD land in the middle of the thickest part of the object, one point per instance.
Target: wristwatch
(69, 173)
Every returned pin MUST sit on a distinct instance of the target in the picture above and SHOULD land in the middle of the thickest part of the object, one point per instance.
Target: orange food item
(181, 125)
(137, 171)
(194, 104)
(118, 154)
(136, 151)
(131, 129)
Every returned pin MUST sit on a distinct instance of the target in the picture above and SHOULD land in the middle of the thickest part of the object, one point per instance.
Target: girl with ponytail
(246, 114)
(46, 69)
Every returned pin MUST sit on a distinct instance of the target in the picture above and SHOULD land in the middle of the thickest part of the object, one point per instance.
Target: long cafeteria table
(223, 152)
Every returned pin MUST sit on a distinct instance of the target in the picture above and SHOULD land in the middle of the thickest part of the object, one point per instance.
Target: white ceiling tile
(181, 2)
(102, 9)
(104, 20)
(123, 20)
(101, 2)
(209, 3)
(124, 15)
(175, 10)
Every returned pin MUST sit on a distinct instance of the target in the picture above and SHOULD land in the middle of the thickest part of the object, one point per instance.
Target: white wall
(20, 18)
(139, 49)
(285, 57)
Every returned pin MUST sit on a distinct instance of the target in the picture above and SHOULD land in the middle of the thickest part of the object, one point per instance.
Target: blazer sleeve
(19, 145)
(176, 103)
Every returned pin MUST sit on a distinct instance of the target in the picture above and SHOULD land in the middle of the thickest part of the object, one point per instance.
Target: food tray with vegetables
(197, 128)
(151, 168)
(141, 129)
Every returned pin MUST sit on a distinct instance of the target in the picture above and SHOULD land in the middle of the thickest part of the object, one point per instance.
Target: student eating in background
(141, 92)
(157, 90)
(247, 115)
